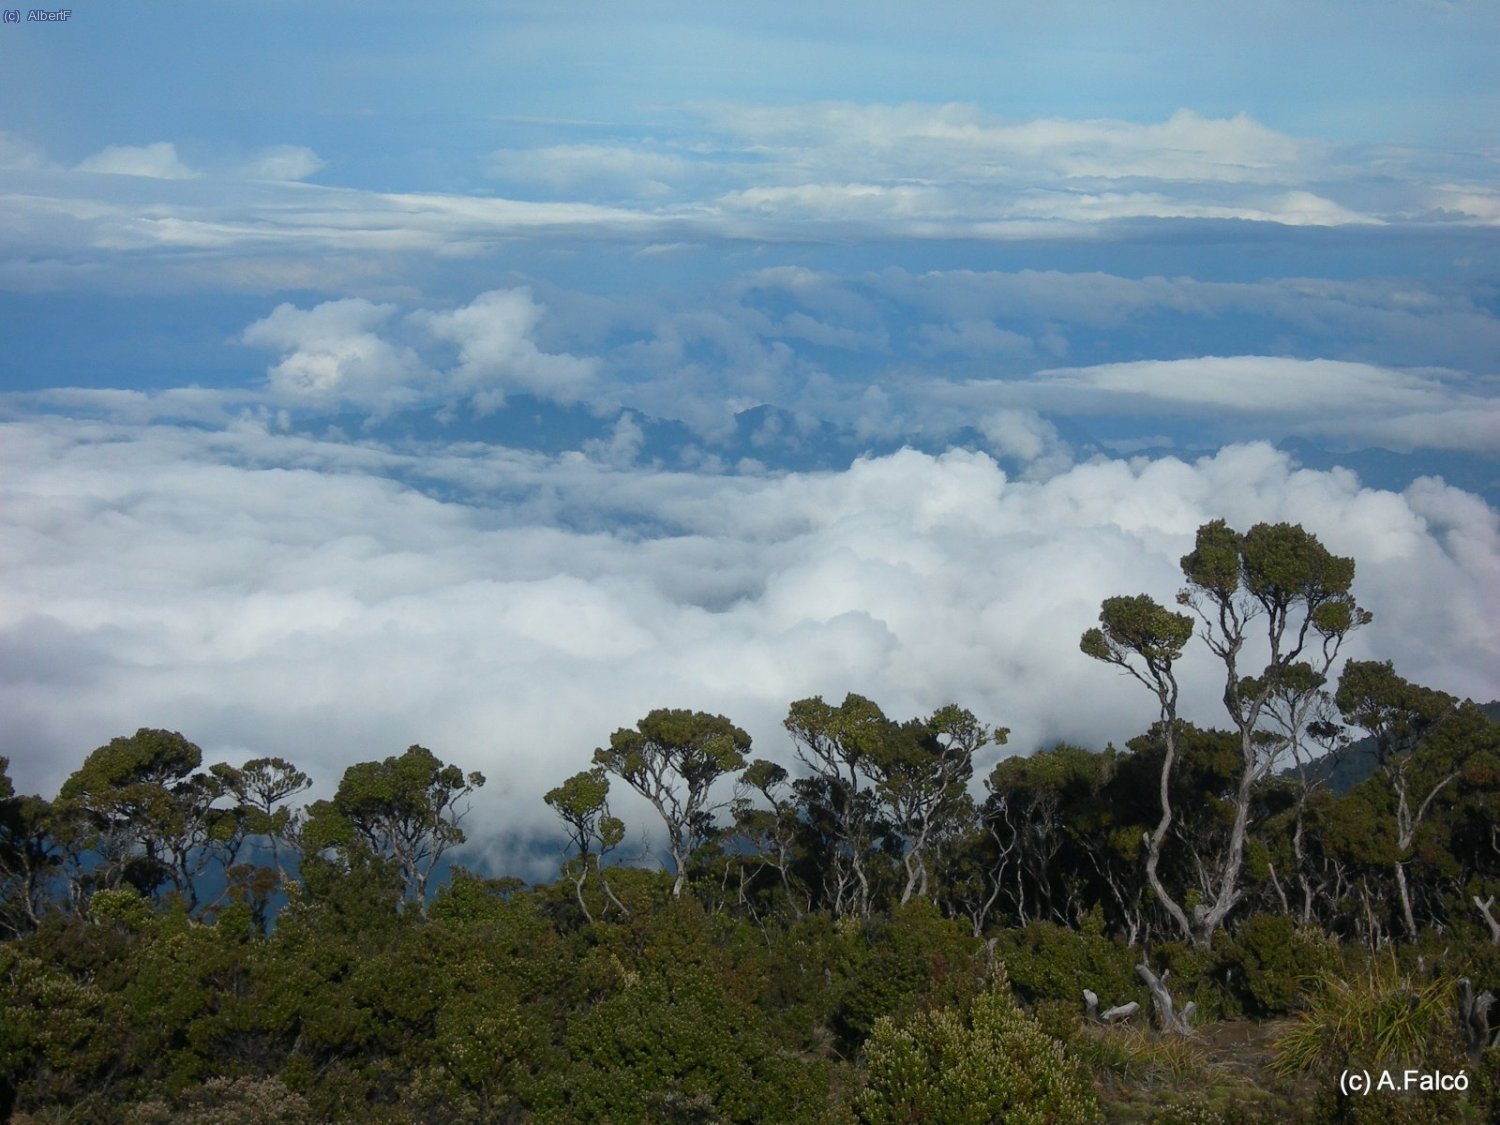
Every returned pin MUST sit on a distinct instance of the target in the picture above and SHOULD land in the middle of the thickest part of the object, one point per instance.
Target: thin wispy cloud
(754, 173)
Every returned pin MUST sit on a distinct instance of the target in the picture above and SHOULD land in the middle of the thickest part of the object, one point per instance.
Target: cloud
(838, 201)
(282, 162)
(496, 353)
(916, 139)
(157, 161)
(1398, 409)
(974, 337)
(332, 353)
(19, 155)
(909, 172)
(1382, 322)
(267, 593)
(623, 446)
(859, 357)
(1263, 384)
(1026, 437)
(348, 352)
(611, 170)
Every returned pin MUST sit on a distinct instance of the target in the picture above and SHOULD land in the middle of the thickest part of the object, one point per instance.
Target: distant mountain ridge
(1357, 763)
(778, 439)
(766, 435)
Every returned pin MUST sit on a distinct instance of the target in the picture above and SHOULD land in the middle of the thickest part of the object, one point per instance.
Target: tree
(1049, 822)
(1280, 577)
(921, 773)
(405, 810)
(583, 803)
(1305, 717)
(770, 834)
(136, 812)
(672, 758)
(1422, 741)
(843, 816)
(1284, 577)
(262, 786)
(27, 857)
(1139, 636)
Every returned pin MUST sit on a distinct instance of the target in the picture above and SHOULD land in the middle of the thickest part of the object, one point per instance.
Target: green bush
(1278, 962)
(995, 1064)
(1381, 1017)
(1049, 962)
(226, 1101)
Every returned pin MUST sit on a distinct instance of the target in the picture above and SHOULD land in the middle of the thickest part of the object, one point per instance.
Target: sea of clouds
(331, 601)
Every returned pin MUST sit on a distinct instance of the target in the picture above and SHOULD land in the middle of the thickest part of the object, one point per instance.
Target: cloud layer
(893, 356)
(271, 594)
(779, 174)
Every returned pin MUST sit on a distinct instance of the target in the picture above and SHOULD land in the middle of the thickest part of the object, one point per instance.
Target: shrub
(225, 1101)
(1380, 1018)
(996, 1064)
(912, 960)
(1049, 962)
(1279, 961)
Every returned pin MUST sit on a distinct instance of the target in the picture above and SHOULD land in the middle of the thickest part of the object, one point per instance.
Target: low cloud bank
(271, 594)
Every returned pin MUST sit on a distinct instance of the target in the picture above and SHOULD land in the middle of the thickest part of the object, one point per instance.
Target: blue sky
(487, 375)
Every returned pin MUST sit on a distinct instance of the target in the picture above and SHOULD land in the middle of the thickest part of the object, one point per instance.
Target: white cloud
(271, 594)
(610, 169)
(974, 337)
(961, 141)
(1375, 405)
(753, 342)
(1026, 437)
(333, 353)
(1382, 322)
(1479, 202)
(838, 202)
(496, 353)
(624, 443)
(1263, 384)
(157, 161)
(19, 155)
(769, 174)
(1296, 208)
(282, 162)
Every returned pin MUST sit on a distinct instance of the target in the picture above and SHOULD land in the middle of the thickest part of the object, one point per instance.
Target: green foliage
(1051, 962)
(123, 907)
(148, 757)
(671, 758)
(583, 804)
(1373, 1019)
(819, 961)
(58, 1036)
(227, 1101)
(893, 967)
(1396, 712)
(1137, 625)
(1280, 961)
(470, 898)
(141, 814)
(670, 1034)
(359, 892)
(993, 1064)
(1214, 562)
(403, 810)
